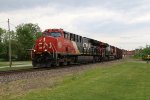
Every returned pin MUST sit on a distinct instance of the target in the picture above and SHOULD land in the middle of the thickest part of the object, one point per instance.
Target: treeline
(22, 39)
(141, 53)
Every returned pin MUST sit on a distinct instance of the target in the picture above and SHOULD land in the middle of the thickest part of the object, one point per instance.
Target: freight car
(58, 47)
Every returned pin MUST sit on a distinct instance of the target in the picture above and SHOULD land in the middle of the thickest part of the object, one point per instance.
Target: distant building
(128, 53)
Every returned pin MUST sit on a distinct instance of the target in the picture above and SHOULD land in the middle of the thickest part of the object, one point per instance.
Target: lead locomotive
(58, 47)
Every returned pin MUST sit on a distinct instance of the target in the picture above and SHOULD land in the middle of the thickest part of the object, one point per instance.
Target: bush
(142, 52)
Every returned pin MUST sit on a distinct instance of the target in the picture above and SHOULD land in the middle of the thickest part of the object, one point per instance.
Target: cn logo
(87, 45)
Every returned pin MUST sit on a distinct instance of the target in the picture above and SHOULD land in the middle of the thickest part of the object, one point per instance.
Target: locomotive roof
(93, 40)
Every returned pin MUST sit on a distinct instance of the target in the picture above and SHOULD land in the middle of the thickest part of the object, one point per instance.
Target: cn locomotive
(58, 47)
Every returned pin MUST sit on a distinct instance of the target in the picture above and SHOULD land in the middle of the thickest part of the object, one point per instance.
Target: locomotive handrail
(53, 50)
(56, 51)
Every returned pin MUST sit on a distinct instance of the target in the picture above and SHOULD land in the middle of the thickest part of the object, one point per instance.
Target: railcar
(58, 47)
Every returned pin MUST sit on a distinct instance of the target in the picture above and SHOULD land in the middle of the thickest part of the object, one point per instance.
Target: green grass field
(6, 63)
(126, 81)
(4, 66)
(15, 68)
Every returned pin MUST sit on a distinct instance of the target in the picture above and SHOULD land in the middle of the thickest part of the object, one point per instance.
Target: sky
(122, 23)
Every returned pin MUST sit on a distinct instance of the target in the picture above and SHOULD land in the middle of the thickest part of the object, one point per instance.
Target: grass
(3, 63)
(15, 68)
(125, 81)
(6, 67)
(6, 63)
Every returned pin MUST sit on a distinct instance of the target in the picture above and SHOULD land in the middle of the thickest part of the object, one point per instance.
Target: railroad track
(9, 72)
(18, 71)
(14, 75)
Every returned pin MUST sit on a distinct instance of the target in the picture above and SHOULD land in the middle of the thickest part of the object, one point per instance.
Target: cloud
(117, 22)
(11, 5)
(7, 5)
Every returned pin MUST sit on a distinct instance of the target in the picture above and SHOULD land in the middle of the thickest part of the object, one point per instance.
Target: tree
(2, 33)
(5, 44)
(143, 52)
(26, 36)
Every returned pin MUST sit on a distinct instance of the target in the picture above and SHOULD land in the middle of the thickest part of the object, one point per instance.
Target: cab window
(54, 34)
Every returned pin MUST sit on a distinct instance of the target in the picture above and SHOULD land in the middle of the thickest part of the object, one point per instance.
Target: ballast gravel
(53, 72)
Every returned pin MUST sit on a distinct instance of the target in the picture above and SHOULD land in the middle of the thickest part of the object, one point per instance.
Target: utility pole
(10, 61)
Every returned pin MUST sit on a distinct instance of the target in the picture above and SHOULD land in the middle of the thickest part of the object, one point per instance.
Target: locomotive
(58, 47)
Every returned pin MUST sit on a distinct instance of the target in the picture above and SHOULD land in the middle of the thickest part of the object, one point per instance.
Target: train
(57, 47)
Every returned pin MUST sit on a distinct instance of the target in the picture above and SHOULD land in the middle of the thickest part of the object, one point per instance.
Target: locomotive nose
(45, 44)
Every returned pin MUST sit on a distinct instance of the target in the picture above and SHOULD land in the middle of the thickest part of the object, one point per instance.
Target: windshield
(54, 34)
